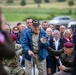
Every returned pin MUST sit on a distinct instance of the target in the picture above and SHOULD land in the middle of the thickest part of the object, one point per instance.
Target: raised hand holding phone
(43, 40)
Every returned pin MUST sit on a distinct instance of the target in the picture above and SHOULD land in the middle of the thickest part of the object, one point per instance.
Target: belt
(36, 53)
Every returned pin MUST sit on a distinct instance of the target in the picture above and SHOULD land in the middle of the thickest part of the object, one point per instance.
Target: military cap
(68, 45)
(35, 22)
(13, 37)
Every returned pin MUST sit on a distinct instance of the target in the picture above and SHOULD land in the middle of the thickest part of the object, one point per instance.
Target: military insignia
(35, 21)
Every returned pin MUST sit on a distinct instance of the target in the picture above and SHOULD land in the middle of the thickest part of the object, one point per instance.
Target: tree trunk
(70, 10)
(39, 5)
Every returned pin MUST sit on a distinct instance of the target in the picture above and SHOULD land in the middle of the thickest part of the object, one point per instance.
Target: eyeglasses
(16, 30)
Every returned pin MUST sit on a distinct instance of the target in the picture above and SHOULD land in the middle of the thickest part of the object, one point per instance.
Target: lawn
(14, 12)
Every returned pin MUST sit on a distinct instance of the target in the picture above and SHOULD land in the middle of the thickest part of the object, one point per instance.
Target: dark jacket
(52, 44)
(65, 40)
(7, 49)
(17, 37)
(74, 66)
(54, 61)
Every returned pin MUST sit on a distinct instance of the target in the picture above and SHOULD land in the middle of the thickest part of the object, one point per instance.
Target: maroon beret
(68, 45)
(18, 24)
(13, 37)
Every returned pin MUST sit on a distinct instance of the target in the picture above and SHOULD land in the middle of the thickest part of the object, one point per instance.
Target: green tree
(61, 0)
(10, 1)
(46, 1)
(38, 2)
(23, 3)
(71, 3)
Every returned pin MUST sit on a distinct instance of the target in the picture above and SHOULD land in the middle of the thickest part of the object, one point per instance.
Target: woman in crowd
(16, 32)
(67, 36)
(48, 59)
(56, 43)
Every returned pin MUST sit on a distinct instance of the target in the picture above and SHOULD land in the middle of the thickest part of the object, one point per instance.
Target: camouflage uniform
(13, 65)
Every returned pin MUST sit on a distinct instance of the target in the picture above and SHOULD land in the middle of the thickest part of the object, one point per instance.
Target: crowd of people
(52, 48)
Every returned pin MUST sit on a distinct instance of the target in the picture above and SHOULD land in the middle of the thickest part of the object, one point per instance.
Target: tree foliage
(37, 1)
(46, 1)
(23, 3)
(71, 3)
(10, 1)
(61, 0)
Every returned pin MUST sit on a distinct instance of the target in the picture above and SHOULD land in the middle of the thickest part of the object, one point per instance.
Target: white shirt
(56, 43)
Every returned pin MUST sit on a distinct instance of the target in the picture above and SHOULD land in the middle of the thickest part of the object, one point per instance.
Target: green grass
(14, 12)
(19, 14)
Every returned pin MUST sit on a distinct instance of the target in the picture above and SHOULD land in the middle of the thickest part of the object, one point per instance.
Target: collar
(55, 39)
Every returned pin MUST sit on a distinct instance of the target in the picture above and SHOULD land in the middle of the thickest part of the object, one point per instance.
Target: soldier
(34, 48)
(66, 58)
(13, 64)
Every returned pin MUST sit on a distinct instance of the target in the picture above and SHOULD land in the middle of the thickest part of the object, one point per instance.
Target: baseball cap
(35, 22)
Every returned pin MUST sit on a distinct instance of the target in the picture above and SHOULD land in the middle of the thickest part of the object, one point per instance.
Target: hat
(13, 37)
(18, 24)
(36, 22)
(68, 45)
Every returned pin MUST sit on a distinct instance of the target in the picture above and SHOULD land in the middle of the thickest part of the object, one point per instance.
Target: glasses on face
(15, 29)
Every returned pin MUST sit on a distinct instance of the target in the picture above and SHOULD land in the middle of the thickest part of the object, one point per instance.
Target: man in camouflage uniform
(66, 58)
(13, 65)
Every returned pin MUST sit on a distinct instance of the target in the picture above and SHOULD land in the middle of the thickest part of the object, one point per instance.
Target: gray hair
(49, 29)
(56, 31)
